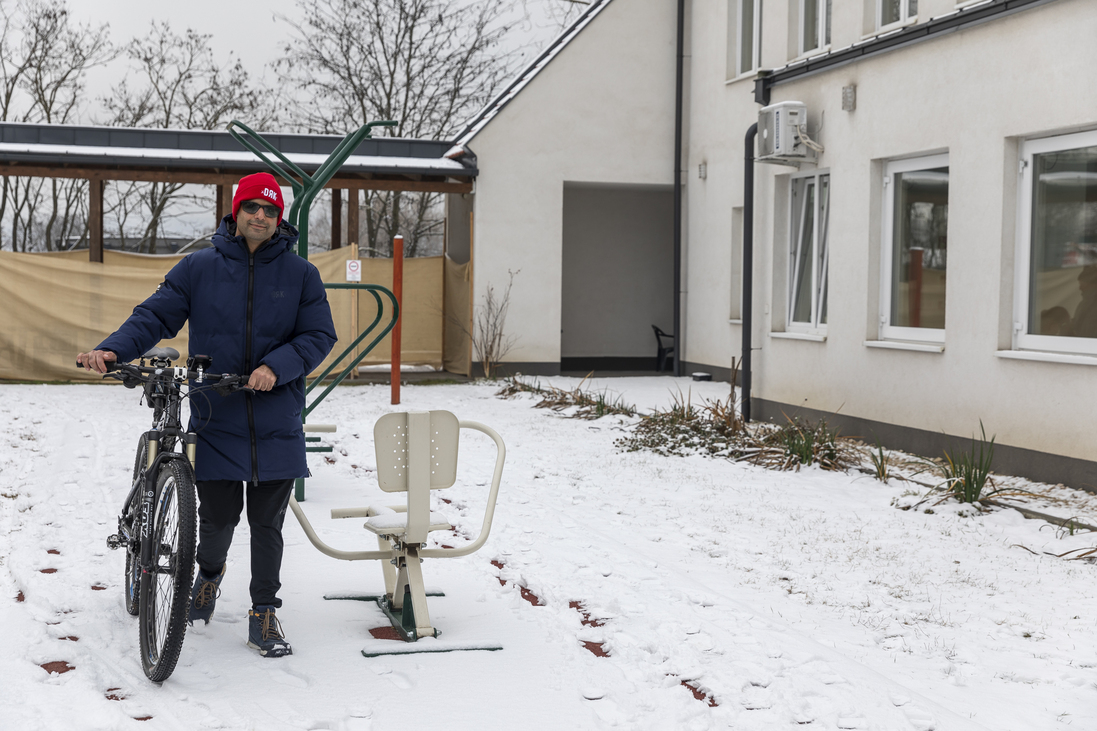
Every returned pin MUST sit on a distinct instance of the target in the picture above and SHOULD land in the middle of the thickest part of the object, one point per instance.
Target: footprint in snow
(920, 718)
(288, 676)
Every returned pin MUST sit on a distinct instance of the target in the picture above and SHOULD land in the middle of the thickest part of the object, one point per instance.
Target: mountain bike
(158, 524)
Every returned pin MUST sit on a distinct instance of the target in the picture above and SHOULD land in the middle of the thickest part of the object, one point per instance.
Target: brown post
(336, 218)
(226, 200)
(218, 206)
(352, 217)
(95, 220)
(398, 292)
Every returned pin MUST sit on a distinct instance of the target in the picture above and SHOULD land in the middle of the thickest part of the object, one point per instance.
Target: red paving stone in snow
(528, 595)
(54, 552)
(386, 633)
(20, 598)
(113, 694)
(97, 587)
(57, 666)
(48, 571)
(586, 619)
(596, 648)
(699, 694)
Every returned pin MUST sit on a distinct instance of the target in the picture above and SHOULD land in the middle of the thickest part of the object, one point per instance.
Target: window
(814, 25)
(736, 312)
(744, 36)
(1057, 245)
(808, 249)
(892, 12)
(915, 254)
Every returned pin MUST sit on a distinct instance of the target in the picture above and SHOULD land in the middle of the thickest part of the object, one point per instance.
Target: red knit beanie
(259, 185)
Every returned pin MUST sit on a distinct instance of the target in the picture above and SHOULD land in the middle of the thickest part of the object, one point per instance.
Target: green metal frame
(305, 187)
(376, 290)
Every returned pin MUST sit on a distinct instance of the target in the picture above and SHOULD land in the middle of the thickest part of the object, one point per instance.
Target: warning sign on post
(354, 270)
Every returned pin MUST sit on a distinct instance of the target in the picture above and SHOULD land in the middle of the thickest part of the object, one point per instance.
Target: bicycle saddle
(161, 354)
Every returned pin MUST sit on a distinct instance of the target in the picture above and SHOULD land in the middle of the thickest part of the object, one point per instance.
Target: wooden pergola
(101, 154)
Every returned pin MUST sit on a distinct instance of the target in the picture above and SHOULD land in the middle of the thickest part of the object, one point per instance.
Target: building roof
(496, 105)
(65, 149)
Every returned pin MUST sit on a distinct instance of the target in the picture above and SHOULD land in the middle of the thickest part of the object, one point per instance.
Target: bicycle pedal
(114, 542)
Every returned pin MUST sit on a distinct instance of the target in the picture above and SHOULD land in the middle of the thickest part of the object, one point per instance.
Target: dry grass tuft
(590, 405)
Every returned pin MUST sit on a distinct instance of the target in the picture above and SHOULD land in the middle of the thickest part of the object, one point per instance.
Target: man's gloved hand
(262, 379)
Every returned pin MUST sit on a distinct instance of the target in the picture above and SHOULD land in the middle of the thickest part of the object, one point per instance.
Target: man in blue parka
(255, 308)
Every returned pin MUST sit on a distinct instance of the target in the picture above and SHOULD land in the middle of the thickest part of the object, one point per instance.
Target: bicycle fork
(138, 532)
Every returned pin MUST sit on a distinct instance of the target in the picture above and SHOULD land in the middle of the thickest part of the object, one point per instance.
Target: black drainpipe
(678, 191)
(748, 267)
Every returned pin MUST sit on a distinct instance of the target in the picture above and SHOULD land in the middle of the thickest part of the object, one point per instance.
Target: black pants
(220, 503)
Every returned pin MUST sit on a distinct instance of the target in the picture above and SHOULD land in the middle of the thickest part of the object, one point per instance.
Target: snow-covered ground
(788, 600)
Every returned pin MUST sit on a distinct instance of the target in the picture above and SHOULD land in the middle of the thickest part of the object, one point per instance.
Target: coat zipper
(248, 369)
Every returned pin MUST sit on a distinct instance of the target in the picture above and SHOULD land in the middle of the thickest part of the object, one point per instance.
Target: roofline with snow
(496, 105)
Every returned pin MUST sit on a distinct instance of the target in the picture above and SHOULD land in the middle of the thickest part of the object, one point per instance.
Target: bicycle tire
(133, 568)
(165, 592)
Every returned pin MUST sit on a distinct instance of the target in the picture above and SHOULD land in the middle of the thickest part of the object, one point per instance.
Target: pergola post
(95, 220)
(218, 206)
(225, 196)
(336, 218)
(352, 216)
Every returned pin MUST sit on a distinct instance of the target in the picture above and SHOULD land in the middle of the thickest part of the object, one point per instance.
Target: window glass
(893, 11)
(919, 248)
(1063, 265)
(810, 24)
(822, 253)
(746, 36)
(890, 11)
(808, 250)
(803, 250)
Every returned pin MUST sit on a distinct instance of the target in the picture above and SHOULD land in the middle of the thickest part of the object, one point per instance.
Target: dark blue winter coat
(245, 310)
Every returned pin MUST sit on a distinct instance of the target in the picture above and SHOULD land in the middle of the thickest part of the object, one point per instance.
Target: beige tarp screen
(458, 353)
(353, 311)
(59, 304)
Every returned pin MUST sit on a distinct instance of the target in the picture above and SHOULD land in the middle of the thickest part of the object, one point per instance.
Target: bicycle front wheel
(165, 590)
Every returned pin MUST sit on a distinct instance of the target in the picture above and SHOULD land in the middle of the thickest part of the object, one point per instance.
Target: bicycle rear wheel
(165, 591)
(133, 565)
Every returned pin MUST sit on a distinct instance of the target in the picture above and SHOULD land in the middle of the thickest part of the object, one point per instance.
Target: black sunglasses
(251, 207)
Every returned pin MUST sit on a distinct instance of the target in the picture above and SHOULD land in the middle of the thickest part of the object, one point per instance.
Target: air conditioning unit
(781, 132)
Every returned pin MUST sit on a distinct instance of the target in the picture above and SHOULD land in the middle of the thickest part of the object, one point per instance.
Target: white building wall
(975, 94)
(601, 112)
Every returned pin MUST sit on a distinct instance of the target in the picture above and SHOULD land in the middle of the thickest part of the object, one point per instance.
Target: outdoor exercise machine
(416, 451)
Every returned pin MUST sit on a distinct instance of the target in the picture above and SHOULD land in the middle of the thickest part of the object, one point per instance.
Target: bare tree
(428, 64)
(178, 84)
(556, 14)
(489, 339)
(44, 60)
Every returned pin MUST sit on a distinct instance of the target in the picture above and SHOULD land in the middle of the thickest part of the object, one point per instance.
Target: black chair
(665, 351)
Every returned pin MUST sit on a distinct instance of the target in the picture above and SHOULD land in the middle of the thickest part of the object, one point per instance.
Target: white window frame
(755, 36)
(821, 13)
(887, 330)
(1022, 338)
(905, 16)
(820, 236)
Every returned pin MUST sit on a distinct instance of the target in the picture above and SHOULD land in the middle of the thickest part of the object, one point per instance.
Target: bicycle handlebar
(223, 383)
